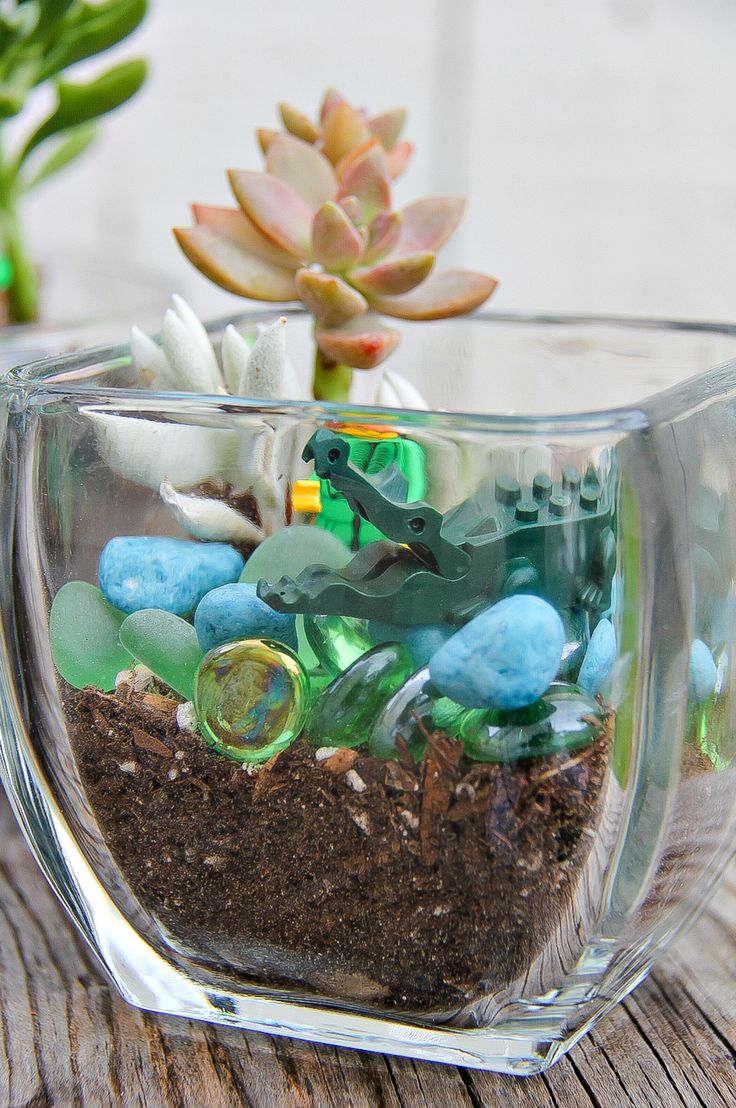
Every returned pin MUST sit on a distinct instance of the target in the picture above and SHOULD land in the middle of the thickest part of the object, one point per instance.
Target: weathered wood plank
(67, 1039)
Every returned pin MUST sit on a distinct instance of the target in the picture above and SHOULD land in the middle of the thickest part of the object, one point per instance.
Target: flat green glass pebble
(346, 712)
(563, 720)
(84, 631)
(251, 699)
(289, 551)
(336, 641)
(166, 644)
(409, 714)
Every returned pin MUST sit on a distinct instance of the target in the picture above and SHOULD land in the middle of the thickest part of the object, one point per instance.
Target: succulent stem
(23, 293)
(331, 379)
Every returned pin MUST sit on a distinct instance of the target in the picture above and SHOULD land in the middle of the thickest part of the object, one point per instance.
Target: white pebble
(128, 767)
(360, 819)
(142, 677)
(186, 719)
(325, 752)
(355, 781)
(410, 820)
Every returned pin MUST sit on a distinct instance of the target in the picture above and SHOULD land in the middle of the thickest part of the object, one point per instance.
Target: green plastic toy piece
(84, 631)
(555, 539)
(371, 456)
(166, 644)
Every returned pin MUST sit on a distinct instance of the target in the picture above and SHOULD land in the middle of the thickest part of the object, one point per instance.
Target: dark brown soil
(407, 887)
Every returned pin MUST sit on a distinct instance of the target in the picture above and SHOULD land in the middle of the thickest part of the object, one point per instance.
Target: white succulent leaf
(293, 389)
(147, 451)
(235, 353)
(150, 361)
(197, 331)
(266, 375)
(194, 365)
(394, 391)
(213, 520)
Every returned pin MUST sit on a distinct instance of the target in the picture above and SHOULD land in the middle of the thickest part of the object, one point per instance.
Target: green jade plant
(318, 227)
(39, 41)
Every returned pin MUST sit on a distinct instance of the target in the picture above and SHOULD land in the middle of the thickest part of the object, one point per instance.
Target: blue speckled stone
(599, 658)
(504, 658)
(145, 571)
(703, 672)
(423, 641)
(234, 612)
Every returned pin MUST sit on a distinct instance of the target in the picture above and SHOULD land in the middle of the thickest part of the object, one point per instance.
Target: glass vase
(409, 731)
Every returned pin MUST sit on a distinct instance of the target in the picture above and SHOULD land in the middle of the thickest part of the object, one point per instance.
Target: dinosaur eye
(417, 525)
(333, 455)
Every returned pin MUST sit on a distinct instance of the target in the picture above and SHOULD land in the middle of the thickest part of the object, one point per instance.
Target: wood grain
(67, 1039)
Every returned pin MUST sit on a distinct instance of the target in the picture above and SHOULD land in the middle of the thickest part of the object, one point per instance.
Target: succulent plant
(318, 226)
(39, 41)
(254, 458)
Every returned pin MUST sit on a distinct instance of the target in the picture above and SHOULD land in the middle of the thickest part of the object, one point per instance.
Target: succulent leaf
(233, 267)
(150, 361)
(265, 136)
(297, 123)
(264, 376)
(388, 126)
(277, 210)
(398, 158)
(383, 235)
(332, 99)
(329, 298)
(236, 225)
(368, 180)
(303, 167)
(362, 342)
(211, 520)
(189, 351)
(427, 224)
(335, 242)
(392, 278)
(395, 391)
(235, 352)
(344, 129)
(452, 292)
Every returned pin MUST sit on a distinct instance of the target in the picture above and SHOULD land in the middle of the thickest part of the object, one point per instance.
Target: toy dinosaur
(557, 540)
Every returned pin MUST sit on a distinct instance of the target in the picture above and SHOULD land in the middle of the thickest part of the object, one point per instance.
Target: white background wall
(596, 140)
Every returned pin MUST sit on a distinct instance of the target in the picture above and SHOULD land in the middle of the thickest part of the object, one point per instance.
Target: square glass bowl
(403, 730)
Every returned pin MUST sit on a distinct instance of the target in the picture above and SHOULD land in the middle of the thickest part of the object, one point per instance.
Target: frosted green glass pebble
(307, 657)
(251, 699)
(84, 631)
(289, 551)
(564, 719)
(345, 713)
(336, 641)
(166, 644)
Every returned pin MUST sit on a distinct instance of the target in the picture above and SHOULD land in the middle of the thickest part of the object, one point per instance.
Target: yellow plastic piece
(305, 497)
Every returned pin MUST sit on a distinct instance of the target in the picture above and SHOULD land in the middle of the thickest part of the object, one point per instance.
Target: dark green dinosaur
(557, 541)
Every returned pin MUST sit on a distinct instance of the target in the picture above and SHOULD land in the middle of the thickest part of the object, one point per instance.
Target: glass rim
(58, 376)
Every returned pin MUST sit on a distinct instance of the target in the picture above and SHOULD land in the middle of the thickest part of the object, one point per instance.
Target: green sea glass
(346, 711)
(563, 720)
(289, 551)
(84, 631)
(166, 644)
(336, 641)
(251, 699)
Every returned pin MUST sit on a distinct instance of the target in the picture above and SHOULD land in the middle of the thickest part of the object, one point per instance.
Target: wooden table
(68, 1039)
